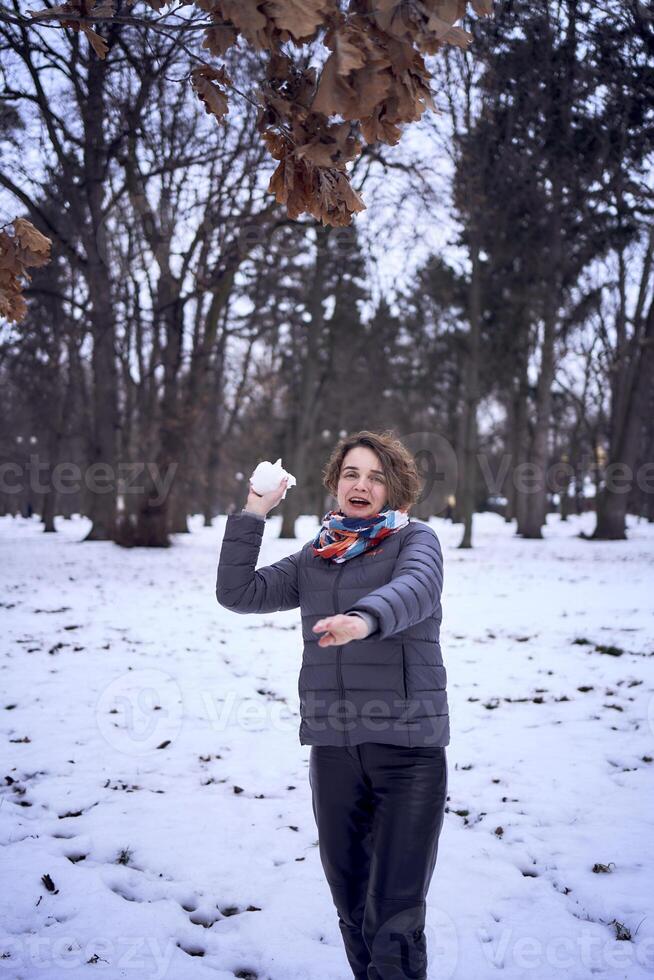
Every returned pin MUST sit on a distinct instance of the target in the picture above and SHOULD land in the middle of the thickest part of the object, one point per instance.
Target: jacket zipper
(339, 650)
(404, 673)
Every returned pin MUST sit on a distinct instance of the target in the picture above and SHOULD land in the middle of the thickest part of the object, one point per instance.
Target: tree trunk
(103, 455)
(612, 505)
(536, 497)
(521, 443)
(212, 467)
(631, 393)
(307, 400)
(471, 395)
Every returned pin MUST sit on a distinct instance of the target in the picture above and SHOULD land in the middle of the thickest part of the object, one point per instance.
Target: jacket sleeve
(243, 588)
(370, 621)
(414, 591)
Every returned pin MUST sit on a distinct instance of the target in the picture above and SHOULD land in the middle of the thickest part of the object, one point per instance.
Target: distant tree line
(186, 327)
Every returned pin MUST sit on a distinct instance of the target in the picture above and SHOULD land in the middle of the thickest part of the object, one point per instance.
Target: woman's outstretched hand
(262, 503)
(340, 629)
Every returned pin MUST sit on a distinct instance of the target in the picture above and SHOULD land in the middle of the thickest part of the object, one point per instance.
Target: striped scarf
(343, 537)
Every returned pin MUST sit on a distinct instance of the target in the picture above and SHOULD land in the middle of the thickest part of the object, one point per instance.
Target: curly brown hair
(403, 483)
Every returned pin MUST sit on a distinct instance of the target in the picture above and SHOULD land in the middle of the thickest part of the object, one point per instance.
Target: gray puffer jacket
(391, 685)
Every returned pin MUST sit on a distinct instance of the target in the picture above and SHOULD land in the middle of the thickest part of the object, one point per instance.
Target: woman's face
(361, 476)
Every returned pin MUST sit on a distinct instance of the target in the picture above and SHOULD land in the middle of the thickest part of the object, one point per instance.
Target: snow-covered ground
(155, 811)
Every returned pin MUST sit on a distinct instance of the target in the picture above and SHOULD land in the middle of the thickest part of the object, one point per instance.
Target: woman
(373, 709)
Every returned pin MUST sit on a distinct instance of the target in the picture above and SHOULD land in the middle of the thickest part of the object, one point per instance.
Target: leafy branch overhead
(373, 80)
(21, 249)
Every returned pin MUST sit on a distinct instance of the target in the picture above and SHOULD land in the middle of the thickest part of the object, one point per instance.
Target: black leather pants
(379, 811)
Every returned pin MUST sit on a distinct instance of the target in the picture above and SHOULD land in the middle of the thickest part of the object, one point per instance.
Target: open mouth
(359, 502)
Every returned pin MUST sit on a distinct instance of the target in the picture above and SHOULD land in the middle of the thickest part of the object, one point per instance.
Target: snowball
(267, 477)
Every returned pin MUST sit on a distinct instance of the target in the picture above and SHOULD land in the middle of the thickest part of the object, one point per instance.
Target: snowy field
(155, 811)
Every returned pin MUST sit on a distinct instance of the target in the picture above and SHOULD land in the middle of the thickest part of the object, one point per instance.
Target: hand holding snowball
(266, 476)
(261, 503)
(268, 485)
